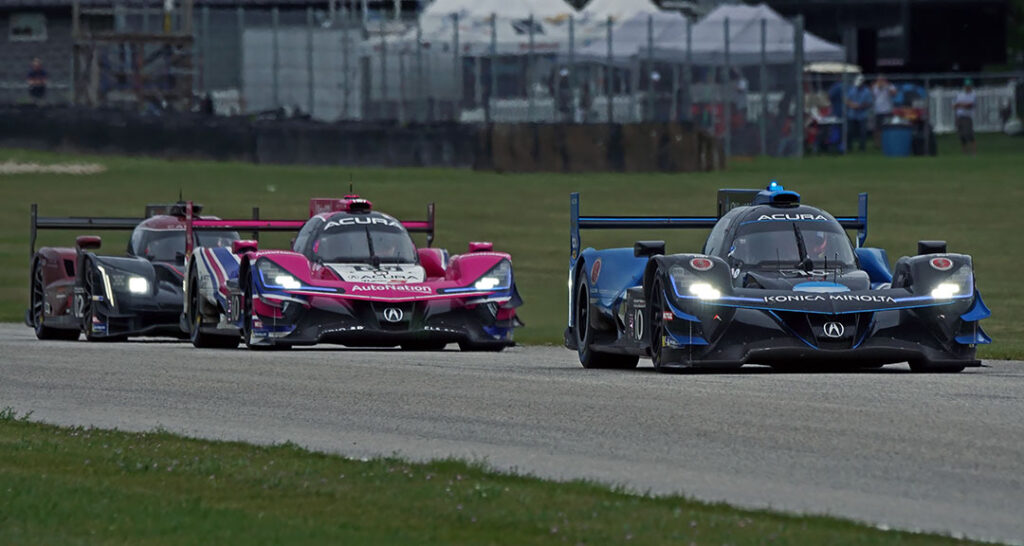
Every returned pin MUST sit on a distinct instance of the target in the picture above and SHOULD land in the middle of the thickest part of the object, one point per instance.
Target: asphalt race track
(930, 452)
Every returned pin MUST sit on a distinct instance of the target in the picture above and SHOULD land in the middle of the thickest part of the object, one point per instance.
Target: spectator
(563, 96)
(37, 81)
(836, 94)
(586, 102)
(859, 102)
(884, 93)
(963, 106)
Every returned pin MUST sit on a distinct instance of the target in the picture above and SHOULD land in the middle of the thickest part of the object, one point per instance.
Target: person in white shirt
(963, 107)
(884, 92)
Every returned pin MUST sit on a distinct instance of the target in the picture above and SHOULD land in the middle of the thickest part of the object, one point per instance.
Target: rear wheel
(195, 322)
(584, 332)
(38, 310)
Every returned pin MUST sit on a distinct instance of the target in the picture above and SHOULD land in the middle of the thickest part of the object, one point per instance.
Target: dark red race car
(75, 290)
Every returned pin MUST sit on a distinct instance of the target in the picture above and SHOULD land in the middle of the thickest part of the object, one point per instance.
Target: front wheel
(656, 318)
(89, 288)
(38, 310)
(247, 296)
(200, 339)
(584, 332)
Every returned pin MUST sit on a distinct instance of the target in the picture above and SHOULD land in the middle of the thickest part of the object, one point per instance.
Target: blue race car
(777, 283)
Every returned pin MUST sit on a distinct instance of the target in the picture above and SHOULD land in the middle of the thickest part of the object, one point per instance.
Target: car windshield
(778, 244)
(365, 243)
(167, 245)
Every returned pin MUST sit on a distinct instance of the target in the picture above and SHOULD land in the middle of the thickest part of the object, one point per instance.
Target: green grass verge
(972, 202)
(89, 486)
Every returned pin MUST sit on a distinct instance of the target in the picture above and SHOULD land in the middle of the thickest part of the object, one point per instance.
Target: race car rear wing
(98, 222)
(727, 200)
(193, 223)
(74, 222)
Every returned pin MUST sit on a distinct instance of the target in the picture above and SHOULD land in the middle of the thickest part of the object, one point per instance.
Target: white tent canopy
(513, 24)
(709, 44)
(619, 10)
(631, 35)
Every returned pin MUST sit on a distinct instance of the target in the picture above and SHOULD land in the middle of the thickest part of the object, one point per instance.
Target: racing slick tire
(921, 366)
(585, 333)
(656, 307)
(247, 321)
(88, 274)
(200, 339)
(37, 310)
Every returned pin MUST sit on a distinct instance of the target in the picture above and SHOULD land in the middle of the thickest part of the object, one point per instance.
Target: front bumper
(373, 324)
(138, 316)
(756, 337)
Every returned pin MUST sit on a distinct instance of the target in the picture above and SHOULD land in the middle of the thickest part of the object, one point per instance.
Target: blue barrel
(897, 139)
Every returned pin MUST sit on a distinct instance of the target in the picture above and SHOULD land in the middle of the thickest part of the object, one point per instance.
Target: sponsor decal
(667, 316)
(360, 220)
(701, 264)
(802, 273)
(862, 298)
(783, 216)
(941, 264)
(393, 314)
(834, 329)
(386, 273)
(417, 288)
(595, 271)
(638, 324)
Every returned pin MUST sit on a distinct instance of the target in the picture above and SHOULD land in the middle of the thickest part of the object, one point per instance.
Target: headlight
(138, 285)
(945, 290)
(275, 276)
(117, 280)
(705, 291)
(497, 278)
(960, 283)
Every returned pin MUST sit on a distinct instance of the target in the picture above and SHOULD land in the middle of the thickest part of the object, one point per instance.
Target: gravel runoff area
(931, 452)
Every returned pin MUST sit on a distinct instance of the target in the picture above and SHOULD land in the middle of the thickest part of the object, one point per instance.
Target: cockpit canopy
(167, 243)
(358, 238)
(763, 236)
(788, 243)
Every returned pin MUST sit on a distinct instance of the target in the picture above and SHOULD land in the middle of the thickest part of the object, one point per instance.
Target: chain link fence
(743, 80)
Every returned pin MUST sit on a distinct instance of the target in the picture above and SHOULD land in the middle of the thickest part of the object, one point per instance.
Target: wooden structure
(113, 63)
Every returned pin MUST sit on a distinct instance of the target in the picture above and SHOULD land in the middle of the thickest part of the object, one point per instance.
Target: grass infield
(90, 486)
(971, 202)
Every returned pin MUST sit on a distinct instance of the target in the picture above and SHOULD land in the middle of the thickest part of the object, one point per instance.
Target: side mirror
(88, 242)
(481, 246)
(244, 245)
(931, 247)
(648, 248)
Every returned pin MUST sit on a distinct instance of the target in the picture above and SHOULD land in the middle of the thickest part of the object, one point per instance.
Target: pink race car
(352, 277)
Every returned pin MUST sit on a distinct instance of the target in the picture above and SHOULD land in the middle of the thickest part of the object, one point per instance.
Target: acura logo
(393, 314)
(834, 329)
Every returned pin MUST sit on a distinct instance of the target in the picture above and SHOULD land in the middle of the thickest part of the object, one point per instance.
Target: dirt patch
(17, 167)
